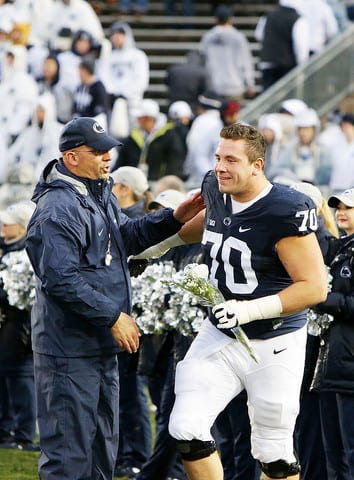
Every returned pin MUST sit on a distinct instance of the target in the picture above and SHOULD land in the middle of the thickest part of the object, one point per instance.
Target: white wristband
(232, 313)
(156, 251)
(265, 307)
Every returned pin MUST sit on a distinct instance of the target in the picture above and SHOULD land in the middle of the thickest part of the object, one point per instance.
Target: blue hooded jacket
(78, 296)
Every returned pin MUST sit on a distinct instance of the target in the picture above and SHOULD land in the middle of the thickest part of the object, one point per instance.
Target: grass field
(19, 465)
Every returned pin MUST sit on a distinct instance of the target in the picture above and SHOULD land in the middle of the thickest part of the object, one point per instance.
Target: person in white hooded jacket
(18, 93)
(71, 14)
(39, 141)
(125, 71)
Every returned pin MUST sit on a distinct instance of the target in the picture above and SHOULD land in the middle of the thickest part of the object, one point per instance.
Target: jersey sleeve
(294, 214)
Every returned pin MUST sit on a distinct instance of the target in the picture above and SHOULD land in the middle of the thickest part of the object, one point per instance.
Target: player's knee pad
(195, 449)
(280, 469)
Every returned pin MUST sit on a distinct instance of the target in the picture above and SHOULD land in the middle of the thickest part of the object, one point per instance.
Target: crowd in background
(56, 63)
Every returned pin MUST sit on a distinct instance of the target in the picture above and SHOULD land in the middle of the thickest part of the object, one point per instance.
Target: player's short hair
(254, 140)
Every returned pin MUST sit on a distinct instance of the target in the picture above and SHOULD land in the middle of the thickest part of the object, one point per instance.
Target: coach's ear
(71, 158)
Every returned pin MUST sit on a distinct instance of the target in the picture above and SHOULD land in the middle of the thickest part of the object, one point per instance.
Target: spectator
(8, 11)
(77, 213)
(340, 13)
(228, 58)
(125, 71)
(270, 128)
(331, 131)
(181, 115)
(350, 10)
(90, 98)
(169, 182)
(23, 32)
(289, 109)
(333, 378)
(135, 440)
(202, 139)
(229, 112)
(16, 358)
(18, 94)
(304, 155)
(50, 82)
(285, 41)
(149, 121)
(83, 43)
(39, 141)
(72, 15)
(36, 12)
(132, 190)
(308, 430)
(187, 80)
(342, 152)
(154, 145)
(322, 22)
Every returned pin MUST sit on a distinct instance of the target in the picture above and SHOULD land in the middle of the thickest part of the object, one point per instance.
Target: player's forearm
(302, 295)
(192, 231)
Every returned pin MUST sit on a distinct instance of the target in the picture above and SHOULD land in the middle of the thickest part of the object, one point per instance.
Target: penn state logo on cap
(96, 127)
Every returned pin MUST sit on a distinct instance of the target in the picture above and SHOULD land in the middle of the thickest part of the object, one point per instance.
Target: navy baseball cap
(86, 131)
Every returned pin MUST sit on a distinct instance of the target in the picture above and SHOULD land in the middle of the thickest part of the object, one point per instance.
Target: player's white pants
(216, 368)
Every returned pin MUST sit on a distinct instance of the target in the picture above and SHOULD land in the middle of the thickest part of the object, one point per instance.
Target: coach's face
(234, 172)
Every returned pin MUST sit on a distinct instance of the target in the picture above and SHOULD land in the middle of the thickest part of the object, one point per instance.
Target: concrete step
(161, 21)
(174, 34)
(200, 7)
(166, 39)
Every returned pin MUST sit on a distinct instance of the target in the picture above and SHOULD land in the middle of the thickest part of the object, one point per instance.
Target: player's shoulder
(210, 182)
(289, 199)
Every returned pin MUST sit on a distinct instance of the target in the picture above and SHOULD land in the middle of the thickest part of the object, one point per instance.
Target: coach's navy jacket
(78, 296)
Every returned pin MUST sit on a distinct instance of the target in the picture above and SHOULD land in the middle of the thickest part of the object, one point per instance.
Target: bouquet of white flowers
(156, 308)
(18, 278)
(149, 297)
(195, 281)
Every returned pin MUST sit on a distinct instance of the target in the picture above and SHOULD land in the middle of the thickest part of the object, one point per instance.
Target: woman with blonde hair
(308, 430)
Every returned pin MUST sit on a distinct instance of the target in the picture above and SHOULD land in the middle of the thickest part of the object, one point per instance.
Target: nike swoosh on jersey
(278, 351)
(100, 232)
(241, 229)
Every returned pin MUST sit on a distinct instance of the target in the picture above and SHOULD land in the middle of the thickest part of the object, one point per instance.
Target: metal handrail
(325, 80)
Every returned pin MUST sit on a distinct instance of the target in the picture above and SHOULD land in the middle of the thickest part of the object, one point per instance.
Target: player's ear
(258, 166)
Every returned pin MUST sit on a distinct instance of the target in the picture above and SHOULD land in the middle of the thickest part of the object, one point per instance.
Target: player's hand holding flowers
(233, 313)
(195, 281)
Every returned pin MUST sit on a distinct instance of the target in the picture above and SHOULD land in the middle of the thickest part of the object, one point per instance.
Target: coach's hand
(126, 333)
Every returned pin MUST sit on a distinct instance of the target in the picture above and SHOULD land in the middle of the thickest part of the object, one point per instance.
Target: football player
(265, 259)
